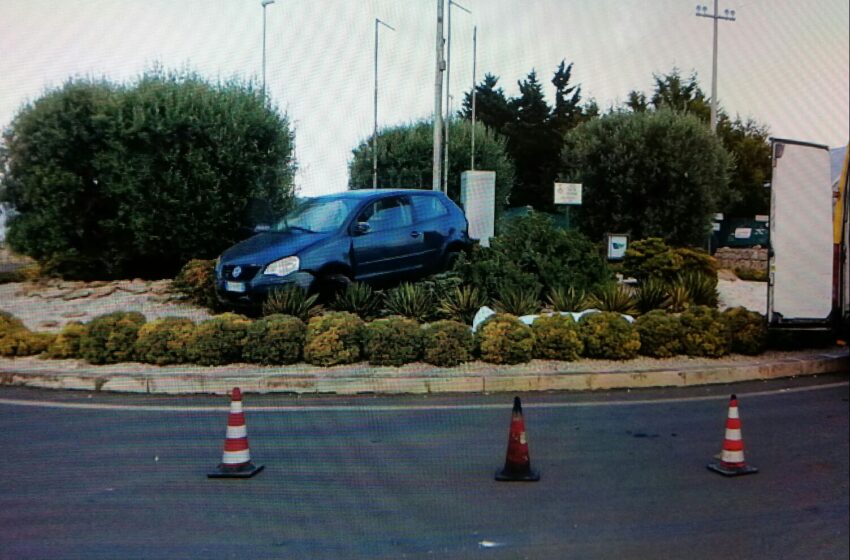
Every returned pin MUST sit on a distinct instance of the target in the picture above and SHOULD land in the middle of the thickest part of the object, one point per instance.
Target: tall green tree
(122, 180)
(648, 174)
(491, 104)
(405, 158)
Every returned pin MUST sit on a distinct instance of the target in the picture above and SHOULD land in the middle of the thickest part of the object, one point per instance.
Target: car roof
(362, 194)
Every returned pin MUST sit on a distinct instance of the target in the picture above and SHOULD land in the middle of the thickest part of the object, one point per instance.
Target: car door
(432, 219)
(385, 241)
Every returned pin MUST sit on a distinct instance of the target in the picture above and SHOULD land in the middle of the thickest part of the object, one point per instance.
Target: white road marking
(406, 408)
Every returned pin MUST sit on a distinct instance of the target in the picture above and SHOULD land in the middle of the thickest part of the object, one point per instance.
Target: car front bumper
(254, 292)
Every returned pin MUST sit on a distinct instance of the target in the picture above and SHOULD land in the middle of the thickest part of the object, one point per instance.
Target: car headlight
(282, 267)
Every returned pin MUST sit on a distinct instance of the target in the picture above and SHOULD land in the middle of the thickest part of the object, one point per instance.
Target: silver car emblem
(237, 271)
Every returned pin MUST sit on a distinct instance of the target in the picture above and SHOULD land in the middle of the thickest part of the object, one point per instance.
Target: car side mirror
(260, 228)
(361, 228)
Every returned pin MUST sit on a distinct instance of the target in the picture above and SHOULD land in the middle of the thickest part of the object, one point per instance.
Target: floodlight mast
(728, 15)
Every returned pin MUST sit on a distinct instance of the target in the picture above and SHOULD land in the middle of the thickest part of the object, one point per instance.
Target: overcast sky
(783, 62)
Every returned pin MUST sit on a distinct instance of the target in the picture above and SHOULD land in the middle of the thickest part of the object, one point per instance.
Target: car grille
(247, 272)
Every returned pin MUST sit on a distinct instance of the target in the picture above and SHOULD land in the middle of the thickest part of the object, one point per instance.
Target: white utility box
(478, 197)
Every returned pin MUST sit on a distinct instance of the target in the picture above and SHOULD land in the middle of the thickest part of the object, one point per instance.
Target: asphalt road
(623, 476)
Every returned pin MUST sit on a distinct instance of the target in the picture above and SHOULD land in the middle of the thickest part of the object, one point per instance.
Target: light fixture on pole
(375, 122)
(728, 15)
(264, 3)
(448, 93)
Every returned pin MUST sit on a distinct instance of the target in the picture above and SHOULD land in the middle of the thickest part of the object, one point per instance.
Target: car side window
(387, 213)
(428, 207)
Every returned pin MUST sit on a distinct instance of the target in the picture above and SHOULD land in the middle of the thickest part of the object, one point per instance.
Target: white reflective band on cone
(733, 412)
(236, 457)
(732, 456)
(236, 407)
(236, 432)
(733, 434)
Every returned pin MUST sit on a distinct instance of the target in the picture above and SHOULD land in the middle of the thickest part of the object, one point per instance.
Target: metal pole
(264, 3)
(729, 15)
(438, 100)
(375, 121)
(448, 93)
(474, 60)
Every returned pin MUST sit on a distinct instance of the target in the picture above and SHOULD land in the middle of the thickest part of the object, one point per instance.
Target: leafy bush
(751, 275)
(447, 343)
(517, 301)
(290, 300)
(414, 301)
(462, 303)
(9, 323)
(504, 339)
(196, 280)
(25, 273)
(660, 334)
(358, 298)
(652, 293)
(393, 341)
(609, 336)
(111, 338)
(124, 180)
(613, 297)
(557, 337)
(23, 342)
(490, 271)
(652, 258)
(66, 345)
(334, 338)
(748, 330)
(697, 261)
(164, 341)
(276, 339)
(218, 341)
(704, 332)
(567, 299)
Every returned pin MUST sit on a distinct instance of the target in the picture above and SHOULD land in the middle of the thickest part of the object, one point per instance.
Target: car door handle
(415, 234)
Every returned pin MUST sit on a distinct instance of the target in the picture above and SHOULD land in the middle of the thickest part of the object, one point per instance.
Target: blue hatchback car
(326, 242)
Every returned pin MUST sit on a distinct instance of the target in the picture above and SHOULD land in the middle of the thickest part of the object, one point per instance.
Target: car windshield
(316, 216)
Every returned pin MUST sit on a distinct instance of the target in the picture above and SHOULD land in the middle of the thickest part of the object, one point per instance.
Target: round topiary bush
(24, 342)
(557, 337)
(334, 338)
(218, 341)
(275, 339)
(9, 323)
(111, 338)
(704, 333)
(660, 334)
(393, 341)
(447, 343)
(504, 339)
(164, 341)
(196, 280)
(609, 336)
(748, 330)
(66, 345)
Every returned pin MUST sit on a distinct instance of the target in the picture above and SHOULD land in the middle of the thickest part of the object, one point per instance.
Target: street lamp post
(474, 60)
(728, 15)
(448, 92)
(264, 3)
(375, 123)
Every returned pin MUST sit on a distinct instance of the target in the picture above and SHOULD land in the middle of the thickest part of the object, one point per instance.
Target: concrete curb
(349, 382)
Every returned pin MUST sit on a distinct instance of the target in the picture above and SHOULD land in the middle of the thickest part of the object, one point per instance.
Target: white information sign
(617, 245)
(567, 193)
(743, 233)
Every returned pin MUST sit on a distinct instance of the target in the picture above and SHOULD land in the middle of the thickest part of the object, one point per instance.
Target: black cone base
(506, 475)
(245, 471)
(731, 471)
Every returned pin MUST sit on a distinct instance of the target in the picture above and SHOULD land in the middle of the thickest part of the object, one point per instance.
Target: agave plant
(517, 300)
(358, 298)
(613, 297)
(567, 299)
(679, 297)
(462, 303)
(290, 300)
(410, 300)
(653, 293)
(702, 289)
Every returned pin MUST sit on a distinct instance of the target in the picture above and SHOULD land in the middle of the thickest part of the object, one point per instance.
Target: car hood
(265, 248)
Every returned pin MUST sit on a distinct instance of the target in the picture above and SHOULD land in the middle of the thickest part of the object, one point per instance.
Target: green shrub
(218, 341)
(609, 336)
(66, 345)
(393, 341)
(447, 343)
(697, 261)
(504, 339)
(748, 330)
(164, 341)
(679, 298)
(276, 339)
(517, 300)
(358, 298)
(290, 300)
(567, 299)
(704, 332)
(111, 338)
(9, 323)
(196, 280)
(557, 337)
(660, 334)
(414, 301)
(462, 303)
(702, 289)
(334, 338)
(651, 258)
(653, 293)
(751, 275)
(24, 342)
(613, 297)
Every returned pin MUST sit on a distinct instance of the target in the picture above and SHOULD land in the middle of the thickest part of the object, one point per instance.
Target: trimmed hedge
(275, 339)
(660, 334)
(393, 341)
(609, 336)
(218, 341)
(704, 333)
(111, 338)
(164, 341)
(447, 343)
(747, 329)
(504, 339)
(196, 280)
(66, 345)
(334, 338)
(557, 337)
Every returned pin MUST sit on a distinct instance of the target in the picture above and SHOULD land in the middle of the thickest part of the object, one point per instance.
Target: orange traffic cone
(236, 460)
(517, 462)
(732, 455)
